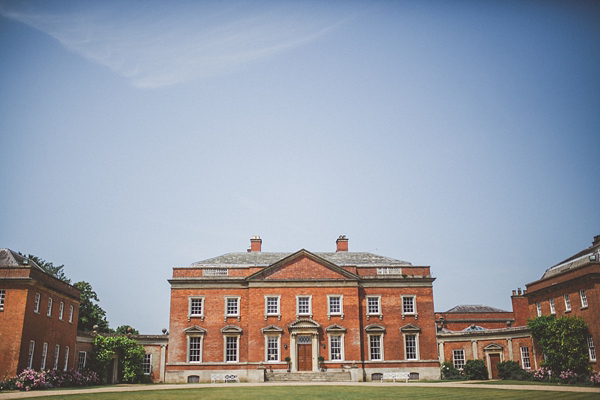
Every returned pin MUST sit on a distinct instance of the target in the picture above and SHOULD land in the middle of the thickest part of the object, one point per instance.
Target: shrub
(449, 372)
(563, 341)
(595, 378)
(571, 377)
(512, 370)
(543, 374)
(30, 379)
(475, 370)
(8, 384)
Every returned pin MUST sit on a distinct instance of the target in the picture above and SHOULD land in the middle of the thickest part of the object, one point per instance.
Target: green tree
(50, 268)
(563, 340)
(123, 330)
(129, 352)
(90, 313)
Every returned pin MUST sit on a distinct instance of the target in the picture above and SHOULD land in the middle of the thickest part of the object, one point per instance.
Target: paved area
(136, 388)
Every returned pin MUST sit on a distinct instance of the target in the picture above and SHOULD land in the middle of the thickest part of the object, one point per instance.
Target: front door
(304, 356)
(494, 360)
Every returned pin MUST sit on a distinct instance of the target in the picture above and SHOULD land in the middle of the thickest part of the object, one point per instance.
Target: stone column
(293, 353)
(163, 359)
(441, 351)
(474, 345)
(511, 357)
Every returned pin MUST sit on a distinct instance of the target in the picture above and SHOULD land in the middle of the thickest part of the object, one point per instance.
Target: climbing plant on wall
(130, 355)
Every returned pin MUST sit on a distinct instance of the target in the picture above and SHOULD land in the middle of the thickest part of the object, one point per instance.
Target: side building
(572, 287)
(355, 313)
(478, 332)
(38, 317)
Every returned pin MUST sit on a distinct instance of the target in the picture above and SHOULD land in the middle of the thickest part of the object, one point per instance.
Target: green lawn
(331, 392)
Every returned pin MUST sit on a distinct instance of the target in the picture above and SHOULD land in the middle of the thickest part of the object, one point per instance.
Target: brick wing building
(572, 287)
(478, 332)
(243, 312)
(38, 317)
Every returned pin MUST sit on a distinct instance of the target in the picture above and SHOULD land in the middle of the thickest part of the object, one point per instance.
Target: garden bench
(224, 377)
(396, 376)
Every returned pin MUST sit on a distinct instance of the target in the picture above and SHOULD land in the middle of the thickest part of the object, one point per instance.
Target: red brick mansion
(353, 312)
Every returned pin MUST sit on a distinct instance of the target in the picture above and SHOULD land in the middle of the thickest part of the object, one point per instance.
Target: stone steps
(309, 377)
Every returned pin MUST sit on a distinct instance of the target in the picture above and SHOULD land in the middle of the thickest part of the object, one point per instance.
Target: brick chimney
(255, 244)
(596, 240)
(342, 243)
(520, 306)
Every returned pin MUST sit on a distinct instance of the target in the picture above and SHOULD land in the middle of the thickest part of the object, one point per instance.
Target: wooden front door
(304, 357)
(494, 360)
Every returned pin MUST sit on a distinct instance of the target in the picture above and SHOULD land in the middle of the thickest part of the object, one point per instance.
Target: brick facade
(571, 284)
(26, 317)
(302, 325)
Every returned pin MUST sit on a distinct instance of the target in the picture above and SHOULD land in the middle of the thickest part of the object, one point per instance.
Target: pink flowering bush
(30, 379)
(595, 378)
(568, 376)
(542, 374)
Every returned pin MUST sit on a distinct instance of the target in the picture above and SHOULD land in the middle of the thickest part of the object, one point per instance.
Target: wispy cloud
(153, 49)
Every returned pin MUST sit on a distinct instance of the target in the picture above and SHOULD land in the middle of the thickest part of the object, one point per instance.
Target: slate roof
(9, 258)
(263, 259)
(477, 308)
(574, 261)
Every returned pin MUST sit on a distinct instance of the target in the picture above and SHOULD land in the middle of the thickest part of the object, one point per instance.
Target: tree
(48, 267)
(130, 355)
(123, 330)
(90, 313)
(564, 342)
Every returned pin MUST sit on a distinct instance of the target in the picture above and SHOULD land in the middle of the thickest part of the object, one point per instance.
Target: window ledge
(584, 308)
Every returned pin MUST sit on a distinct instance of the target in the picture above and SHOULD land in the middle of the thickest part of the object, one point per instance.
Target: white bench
(395, 376)
(224, 377)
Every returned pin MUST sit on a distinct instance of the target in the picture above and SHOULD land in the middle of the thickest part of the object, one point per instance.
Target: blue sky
(138, 136)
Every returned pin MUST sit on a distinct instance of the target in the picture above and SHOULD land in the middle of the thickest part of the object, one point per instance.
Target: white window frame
(379, 313)
(405, 337)
(2, 298)
(309, 313)
(36, 304)
(44, 356)
(552, 307)
(538, 307)
(414, 305)
(381, 336)
(341, 336)
(61, 311)
(81, 365)
(567, 302)
(591, 348)
(583, 298)
(273, 314)
(339, 313)
(66, 358)
(200, 348)
(147, 364)
(190, 301)
(239, 306)
(525, 358)
(458, 362)
(277, 339)
(71, 311)
(56, 355)
(237, 348)
(49, 312)
(31, 353)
